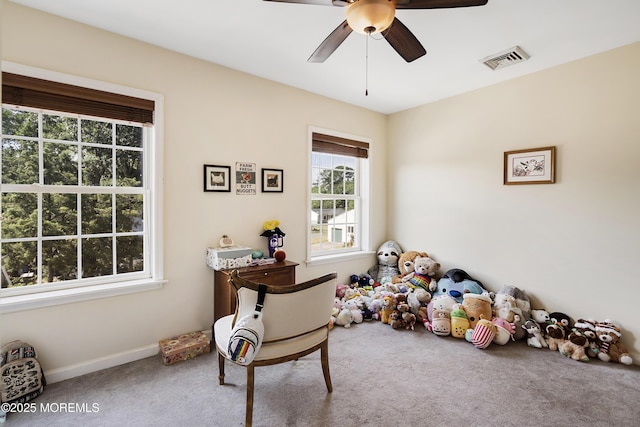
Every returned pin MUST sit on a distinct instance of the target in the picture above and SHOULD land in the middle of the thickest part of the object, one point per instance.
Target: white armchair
(284, 340)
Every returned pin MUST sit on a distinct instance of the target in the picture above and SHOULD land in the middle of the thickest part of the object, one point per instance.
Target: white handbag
(247, 334)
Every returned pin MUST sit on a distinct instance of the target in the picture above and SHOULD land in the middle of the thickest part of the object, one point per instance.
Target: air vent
(505, 58)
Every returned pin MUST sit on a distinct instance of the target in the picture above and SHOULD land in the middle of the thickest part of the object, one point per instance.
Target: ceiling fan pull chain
(366, 67)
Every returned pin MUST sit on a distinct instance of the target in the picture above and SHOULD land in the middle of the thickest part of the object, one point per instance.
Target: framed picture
(531, 166)
(246, 178)
(272, 180)
(217, 178)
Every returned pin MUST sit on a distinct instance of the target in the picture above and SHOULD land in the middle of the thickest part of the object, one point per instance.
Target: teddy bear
(387, 267)
(534, 334)
(574, 346)
(611, 348)
(405, 264)
(395, 319)
(408, 318)
(387, 307)
(588, 328)
(455, 283)
(423, 274)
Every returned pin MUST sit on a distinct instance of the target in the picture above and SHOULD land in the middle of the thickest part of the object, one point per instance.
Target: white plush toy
(534, 338)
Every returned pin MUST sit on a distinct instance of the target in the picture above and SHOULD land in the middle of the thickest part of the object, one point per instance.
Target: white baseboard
(78, 369)
(72, 371)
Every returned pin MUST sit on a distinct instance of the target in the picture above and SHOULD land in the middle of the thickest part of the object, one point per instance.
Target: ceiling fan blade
(437, 4)
(331, 43)
(403, 41)
(318, 2)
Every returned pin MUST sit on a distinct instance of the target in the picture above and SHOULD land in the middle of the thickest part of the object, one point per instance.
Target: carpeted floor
(381, 377)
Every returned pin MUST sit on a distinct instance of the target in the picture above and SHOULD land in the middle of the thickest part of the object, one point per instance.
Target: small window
(338, 181)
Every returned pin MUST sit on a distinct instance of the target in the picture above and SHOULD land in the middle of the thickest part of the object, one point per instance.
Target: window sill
(350, 256)
(15, 303)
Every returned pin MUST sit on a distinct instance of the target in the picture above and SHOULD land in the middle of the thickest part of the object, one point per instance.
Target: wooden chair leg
(324, 358)
(249, 413)
(221, 368)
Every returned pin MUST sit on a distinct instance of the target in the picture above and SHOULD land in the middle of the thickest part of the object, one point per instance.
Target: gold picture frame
(530, 166)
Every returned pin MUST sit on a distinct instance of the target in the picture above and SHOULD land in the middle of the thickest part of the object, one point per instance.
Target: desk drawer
(285, 276)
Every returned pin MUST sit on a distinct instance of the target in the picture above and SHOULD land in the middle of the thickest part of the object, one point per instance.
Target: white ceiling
(273, 40)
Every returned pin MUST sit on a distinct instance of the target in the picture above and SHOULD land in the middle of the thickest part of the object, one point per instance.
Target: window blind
(38, 93)
(330, 144)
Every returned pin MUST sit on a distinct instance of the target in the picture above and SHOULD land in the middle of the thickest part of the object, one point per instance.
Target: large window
(77, 193)
(338, 182)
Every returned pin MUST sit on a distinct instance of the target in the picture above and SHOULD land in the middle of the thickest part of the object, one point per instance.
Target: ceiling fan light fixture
(371, 16)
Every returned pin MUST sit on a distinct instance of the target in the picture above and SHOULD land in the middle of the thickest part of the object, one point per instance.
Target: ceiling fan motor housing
(371, 16)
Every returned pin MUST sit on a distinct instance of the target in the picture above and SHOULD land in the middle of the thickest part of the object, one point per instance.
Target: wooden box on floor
(184, 347)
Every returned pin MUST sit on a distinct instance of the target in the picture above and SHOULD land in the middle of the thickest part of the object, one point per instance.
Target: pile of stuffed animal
(401, 290)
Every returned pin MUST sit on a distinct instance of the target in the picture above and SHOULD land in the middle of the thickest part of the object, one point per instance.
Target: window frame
(362, 201)
(18, 299)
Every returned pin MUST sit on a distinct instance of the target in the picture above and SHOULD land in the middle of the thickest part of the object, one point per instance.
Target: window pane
(349, 181)
(324, 181)
(59, 127)
(97, 257)
(59, 260)
(19, 260)
(129, 213)
(338, 182)
(129, 136)
(96, 132)
(19, 215)
(96, 214)
(19, 161)
(59, 214)
(128, 168)
(60, 164)
(19, 123)
(97, 166)
(129, 255)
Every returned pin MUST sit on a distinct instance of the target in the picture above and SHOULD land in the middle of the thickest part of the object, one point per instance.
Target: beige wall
(573, 245)
(213, 115)
(570, 245)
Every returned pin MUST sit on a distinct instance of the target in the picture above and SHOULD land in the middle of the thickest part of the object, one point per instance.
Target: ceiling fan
(378, 16)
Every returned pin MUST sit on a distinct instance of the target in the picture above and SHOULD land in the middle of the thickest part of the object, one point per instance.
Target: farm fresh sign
(245, 178)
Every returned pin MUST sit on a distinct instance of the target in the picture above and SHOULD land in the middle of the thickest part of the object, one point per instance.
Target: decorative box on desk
(230, 257)
(224, 297)
(184, 347)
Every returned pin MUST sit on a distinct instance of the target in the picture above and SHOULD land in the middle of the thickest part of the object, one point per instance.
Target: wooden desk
(224, 297)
